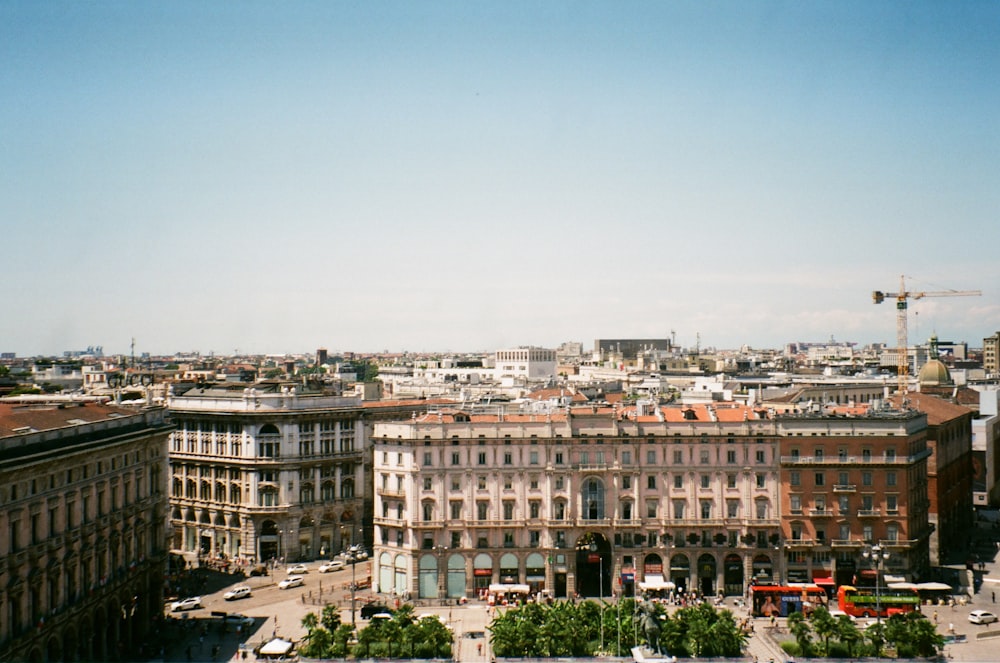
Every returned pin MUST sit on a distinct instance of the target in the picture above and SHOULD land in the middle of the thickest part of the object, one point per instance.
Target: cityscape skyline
(450, 177)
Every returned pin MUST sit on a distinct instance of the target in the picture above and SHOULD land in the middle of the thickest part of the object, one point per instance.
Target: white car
(298, 568)
(186, 604)
(332, 565)
(982, 617)
(291, 581)
(238, 592)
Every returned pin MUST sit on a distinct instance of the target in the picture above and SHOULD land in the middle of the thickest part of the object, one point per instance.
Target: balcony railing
(822, 513)
(869, 513)
(844, 488)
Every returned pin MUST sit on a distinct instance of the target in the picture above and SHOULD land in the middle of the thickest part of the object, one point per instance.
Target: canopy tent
(656, 583)
(933, 587)
(276, 647)
(509, 589)
(902, 585)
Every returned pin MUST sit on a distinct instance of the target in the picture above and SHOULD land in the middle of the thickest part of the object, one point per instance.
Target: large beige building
(585, 501)
(266, 471)
(83, 548)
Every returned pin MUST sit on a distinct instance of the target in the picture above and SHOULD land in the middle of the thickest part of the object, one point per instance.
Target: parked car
(186, 604)
(982, 617)
(291, 581)
(298, 568)
(238, 619)
(238, 592)
(332, 565)
(371, 609)
(258, 570)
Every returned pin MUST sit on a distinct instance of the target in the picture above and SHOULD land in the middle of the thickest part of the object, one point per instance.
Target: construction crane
(902, 336)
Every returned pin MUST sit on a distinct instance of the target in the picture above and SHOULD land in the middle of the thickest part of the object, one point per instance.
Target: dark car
(370, 609)
(259, 570)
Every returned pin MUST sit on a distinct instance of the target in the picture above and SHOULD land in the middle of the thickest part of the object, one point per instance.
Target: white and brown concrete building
(266, 471)
(83, 548)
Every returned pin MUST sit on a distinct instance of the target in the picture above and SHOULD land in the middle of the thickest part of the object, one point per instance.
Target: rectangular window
(456, 483)
(761, 480)
(626, 483)
(482, 509)
(533, 458)
(534, 538)
(651, 482)
(892, 504)
(651, 509)
(731, 456)
(703, 456)
(795, 503)
(481, 483)
(454, 458)
(866, 478)
(559, 458)
(626, 457)
(678, 457)
(679, 510)
(456, 510)
(732, 509)
(428, 483)
(651, 456)
(456, 540)
(844, 504)
(795, 479)
(482, 458)
(706, 510)
(705, 479)
(427, 458)
(508, 458)
(820, 479)
(508, 511)
(842, 478)
(535, 508)
(890, 478)
(761, 456)
(678, 481)
(730, 481)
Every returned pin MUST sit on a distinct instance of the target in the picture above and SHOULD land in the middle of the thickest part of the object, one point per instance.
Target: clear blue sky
(280, 176)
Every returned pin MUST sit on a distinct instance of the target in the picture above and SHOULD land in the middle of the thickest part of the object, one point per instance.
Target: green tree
(924, 637)
(824, 625)
(800, 628)
(848, 633)
(875, 635)
(330, 618)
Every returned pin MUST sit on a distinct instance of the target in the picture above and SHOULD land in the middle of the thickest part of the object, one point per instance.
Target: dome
(934, 373)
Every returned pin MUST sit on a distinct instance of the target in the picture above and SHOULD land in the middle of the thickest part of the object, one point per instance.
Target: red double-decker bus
(782, 600)
(866, 602)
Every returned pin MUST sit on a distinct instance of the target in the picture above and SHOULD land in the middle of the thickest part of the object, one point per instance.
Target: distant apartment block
(991, 354)
(528, 362)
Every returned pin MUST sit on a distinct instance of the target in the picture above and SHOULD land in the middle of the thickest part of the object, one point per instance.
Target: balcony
(844, 488)
(846, 543)
(869, 513)
(821, 513)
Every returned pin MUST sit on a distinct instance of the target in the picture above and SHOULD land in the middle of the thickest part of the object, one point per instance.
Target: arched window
(593, 499)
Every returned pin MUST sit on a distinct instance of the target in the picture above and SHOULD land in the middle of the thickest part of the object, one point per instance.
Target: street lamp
(878, 556)
(600, 585)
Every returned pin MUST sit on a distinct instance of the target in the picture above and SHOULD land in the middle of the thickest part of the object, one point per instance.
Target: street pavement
(278, 613)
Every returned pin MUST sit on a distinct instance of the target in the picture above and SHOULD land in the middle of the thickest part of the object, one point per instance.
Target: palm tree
(799, 627)
(848, 633)
(824, 625)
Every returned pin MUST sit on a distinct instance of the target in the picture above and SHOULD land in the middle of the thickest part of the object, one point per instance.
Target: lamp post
(878, 556)
(600, 586)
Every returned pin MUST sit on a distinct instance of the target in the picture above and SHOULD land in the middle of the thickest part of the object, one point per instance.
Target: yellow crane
(902, 336)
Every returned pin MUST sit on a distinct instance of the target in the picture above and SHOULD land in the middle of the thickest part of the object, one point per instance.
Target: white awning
(509, 589)
(653, 582)
(934, 587)
(276, 647)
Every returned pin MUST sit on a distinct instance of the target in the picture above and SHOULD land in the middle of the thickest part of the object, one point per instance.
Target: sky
(271, 177)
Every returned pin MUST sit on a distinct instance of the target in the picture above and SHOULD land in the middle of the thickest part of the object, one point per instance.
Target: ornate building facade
(267, 471)
(595, 501)
(580, 501)
(83, 548)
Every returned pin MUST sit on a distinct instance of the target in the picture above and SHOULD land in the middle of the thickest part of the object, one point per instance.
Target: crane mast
(902, 335)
